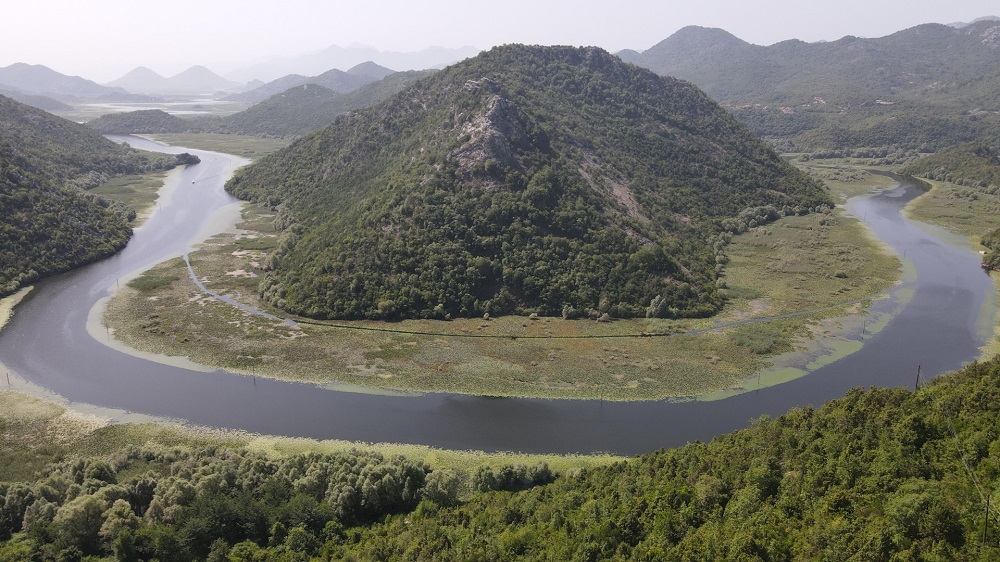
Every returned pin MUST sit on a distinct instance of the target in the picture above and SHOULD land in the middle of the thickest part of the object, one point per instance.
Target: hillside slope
(524, 179)
(48, 223)
(921, 88)
(881, 475)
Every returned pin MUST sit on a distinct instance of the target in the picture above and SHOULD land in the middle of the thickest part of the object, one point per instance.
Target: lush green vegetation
(972, 165)
(147, 121)
(48, 223)
(525, 179)
(879, 475)
(802, 263)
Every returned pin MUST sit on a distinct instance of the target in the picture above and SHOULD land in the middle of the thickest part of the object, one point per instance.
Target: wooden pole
(917, 383)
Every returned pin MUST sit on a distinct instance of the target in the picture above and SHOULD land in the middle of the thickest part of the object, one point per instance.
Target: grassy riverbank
(139, 192)
(967, 215)
(35, 432)
(240, 145)
(796, 264)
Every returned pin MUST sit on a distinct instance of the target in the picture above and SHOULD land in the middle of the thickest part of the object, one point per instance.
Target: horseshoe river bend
(936, 320)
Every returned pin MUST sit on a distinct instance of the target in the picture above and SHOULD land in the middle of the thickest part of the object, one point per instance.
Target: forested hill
(926, 60)
(524, 179)
(922, 88)
(48, 223)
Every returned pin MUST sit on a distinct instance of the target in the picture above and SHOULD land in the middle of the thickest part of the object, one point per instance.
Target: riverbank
(823, 263)
(35, 432)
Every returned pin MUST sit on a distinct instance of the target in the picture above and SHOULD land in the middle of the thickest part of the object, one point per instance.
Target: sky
(103, 39)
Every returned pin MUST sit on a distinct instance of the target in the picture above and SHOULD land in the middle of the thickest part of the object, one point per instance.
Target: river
(47, 344)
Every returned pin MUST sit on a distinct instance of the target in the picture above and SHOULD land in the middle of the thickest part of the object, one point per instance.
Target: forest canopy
(527, 179)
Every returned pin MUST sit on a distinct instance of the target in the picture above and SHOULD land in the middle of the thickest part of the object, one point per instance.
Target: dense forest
(525, 179)
(878, 475)
(48, 222)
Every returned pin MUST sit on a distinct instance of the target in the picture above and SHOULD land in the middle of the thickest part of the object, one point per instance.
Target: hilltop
(524, 179)
(49, 223)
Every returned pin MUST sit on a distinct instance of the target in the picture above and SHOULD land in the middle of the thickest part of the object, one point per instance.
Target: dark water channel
(47, 344)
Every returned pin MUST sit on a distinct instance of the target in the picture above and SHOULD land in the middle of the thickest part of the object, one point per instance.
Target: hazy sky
(103, 39)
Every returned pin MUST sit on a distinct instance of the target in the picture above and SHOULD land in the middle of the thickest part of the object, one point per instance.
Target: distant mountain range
(288, 113)
(338, 81)
(193, 81)
(922, 88)
(346, 57)
(916, 61)
(42, 80)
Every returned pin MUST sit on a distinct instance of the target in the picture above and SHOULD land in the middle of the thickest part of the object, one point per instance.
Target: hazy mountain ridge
(921, 88)
(336, 80)
(195, 80)
(294, 112)
(42, 80)
(335, 56)
(527, 178)
(848, 70)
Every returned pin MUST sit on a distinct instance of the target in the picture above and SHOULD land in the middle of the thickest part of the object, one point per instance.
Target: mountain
(346, 57)
(524, 179)
(38, 79)
(922, 88)
(293, 112)
(269, 89)
(139, 80)
(335, 80)
(371, 70)
(914, 62)
(195, 80)
(308, 107)
(48, 223)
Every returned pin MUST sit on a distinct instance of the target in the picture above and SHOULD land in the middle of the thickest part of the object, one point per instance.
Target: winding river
(47, 344)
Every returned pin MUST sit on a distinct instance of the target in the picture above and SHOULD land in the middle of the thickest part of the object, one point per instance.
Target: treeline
(184, 504)
(526, 179)
(879, 475)
(974, 165)
(48, 223)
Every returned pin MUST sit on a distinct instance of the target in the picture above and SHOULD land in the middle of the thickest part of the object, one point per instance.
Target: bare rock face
(991, 37)
(493, 137)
